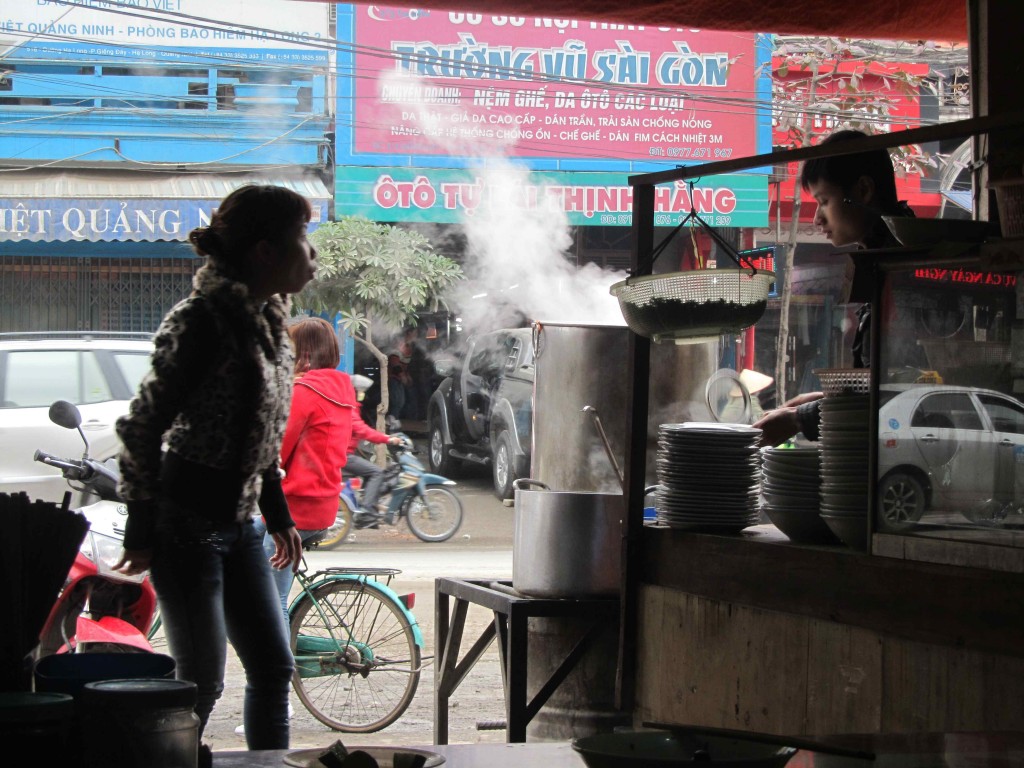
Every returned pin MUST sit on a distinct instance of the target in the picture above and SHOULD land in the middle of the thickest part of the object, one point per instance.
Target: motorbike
(98, 609)
(431, 509)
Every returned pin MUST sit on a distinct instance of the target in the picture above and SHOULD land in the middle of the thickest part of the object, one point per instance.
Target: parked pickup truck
(482, 412)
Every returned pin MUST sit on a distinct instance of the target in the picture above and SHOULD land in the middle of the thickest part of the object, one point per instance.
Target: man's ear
(864, 190)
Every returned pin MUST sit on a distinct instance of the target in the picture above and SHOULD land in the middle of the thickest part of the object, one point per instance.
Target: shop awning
(112, 206)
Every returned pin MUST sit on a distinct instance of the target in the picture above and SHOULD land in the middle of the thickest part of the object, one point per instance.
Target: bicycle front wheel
(338, 532)
(357, 664)
(436, 515)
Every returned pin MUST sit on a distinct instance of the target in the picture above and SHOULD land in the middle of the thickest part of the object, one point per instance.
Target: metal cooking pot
(567, 543)
(580, 365)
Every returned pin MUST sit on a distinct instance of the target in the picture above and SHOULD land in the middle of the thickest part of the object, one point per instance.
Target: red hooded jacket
(324, 426)
(315, 446)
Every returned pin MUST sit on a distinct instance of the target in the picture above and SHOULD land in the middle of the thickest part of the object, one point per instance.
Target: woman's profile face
(291, 263)
(842, 223)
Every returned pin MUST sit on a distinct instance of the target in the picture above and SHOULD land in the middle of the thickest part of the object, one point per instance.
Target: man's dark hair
(844, 170)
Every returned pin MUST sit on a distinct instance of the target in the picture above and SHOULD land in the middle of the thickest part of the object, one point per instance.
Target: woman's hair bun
(204, 239)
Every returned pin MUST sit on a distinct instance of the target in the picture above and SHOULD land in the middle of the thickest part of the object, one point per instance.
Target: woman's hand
(134, 561)
(288, 549)
(395, 440)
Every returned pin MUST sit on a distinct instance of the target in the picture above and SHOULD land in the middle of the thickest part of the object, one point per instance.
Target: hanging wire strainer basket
(693, 306)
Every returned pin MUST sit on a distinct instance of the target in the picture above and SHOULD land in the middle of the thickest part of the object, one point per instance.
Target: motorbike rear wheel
(338, 532)
(436, 515)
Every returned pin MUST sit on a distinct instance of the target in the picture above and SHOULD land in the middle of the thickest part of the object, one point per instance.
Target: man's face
(842, 223)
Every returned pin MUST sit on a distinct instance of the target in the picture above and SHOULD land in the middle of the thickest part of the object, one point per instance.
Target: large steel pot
(581, 365)
(567, 543)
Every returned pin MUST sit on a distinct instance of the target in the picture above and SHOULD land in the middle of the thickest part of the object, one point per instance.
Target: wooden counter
(926, 750)
(754, 633)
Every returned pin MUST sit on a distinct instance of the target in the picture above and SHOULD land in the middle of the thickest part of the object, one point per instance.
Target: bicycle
(358, 648)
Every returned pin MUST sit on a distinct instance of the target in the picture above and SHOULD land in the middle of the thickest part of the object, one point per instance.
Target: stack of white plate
(790, 488)
(708, 476)
(845, 435)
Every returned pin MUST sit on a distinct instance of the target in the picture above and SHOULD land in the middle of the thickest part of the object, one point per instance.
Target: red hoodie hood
(330, 385)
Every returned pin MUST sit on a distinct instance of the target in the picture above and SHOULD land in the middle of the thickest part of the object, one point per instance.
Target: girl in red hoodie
(324, 414)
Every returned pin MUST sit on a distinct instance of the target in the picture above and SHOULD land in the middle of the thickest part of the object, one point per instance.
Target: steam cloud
(516, 263)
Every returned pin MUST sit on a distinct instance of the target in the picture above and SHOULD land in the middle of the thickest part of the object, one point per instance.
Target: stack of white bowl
(790, 490)
(845, 485)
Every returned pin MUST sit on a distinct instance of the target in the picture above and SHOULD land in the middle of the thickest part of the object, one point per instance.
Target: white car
(948, 449)
(98, 372)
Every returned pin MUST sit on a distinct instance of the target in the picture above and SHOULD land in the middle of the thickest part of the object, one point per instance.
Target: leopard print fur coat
(217, 395)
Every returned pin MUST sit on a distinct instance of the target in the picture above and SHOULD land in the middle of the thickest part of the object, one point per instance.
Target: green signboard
(448, 196)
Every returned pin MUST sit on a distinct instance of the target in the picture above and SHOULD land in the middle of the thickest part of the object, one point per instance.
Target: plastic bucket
(69, 672)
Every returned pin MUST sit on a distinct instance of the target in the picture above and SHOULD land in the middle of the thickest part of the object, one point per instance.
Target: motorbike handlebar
(71, 469)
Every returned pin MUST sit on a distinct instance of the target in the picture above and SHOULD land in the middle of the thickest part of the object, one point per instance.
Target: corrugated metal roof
(86, 184)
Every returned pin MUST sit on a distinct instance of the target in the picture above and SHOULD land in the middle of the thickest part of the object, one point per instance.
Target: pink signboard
(430, 82)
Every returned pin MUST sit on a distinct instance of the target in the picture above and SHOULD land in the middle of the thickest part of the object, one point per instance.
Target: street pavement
(481, 549)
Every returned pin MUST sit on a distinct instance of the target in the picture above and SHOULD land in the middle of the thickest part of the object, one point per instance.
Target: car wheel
(901, 501)
(441, 462)
(503, 465)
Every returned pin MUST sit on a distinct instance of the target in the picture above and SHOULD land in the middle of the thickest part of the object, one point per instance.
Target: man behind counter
(853, 192)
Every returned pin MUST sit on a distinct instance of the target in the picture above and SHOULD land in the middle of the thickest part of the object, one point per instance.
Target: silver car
(97, 372)
(951, 452)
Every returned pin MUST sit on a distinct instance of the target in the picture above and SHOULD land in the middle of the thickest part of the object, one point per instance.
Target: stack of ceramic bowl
(790, 487)
(845, 437)
(708, 476)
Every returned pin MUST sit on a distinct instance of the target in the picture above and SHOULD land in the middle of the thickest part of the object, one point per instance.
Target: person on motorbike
(217, 396)
(371, 475)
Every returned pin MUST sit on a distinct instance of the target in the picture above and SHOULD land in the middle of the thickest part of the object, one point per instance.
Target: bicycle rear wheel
(338, 532)
(436, 515)
(357, 664)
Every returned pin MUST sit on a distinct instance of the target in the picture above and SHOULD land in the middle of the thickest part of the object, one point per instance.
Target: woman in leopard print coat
(201, 442)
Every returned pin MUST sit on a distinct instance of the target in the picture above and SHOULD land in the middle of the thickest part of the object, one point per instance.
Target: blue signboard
(95, 220)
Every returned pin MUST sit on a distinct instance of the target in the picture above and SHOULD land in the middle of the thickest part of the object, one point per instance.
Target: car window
(1006, 415)
(133, 365)
(947, 410)
(36, 378)
(95, 388)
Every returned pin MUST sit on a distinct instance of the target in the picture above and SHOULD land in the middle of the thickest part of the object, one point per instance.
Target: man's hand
(777, 426)
(801, 399)
(288, 549)
(134, 561)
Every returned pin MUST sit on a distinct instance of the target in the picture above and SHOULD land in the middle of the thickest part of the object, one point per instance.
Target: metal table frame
(511, 614)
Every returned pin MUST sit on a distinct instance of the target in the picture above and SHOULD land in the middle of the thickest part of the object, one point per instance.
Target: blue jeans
(283, 577)
(213, 582)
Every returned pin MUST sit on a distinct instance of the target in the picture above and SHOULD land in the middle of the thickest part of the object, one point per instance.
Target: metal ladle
(604, 439)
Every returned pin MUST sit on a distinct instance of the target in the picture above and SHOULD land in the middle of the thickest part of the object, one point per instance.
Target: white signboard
(234, 24)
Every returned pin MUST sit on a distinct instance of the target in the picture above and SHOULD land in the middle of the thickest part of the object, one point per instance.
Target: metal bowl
(695, 305)
(661, 749)
(911, 232)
